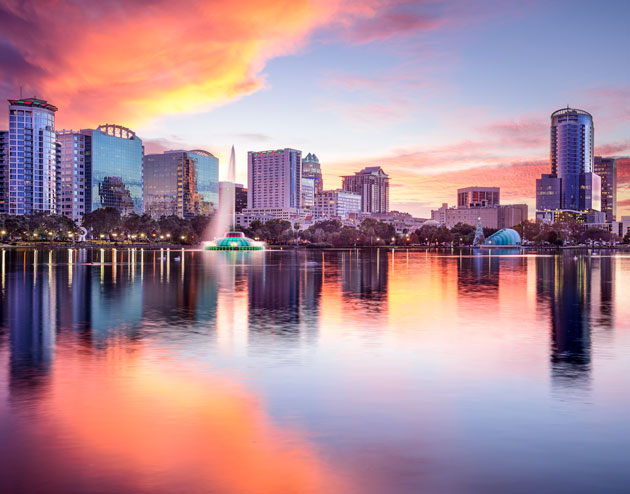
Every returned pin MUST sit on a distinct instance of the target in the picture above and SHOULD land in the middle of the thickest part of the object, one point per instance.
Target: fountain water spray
(225, 219)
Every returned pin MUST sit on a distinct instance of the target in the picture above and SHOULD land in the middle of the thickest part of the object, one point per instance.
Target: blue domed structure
(234, 241)
(504, 237)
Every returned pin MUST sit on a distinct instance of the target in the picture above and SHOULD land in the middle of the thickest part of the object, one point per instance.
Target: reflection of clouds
(162, 427)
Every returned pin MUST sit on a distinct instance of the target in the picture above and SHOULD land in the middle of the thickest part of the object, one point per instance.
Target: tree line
(108, 224)
(104, 224)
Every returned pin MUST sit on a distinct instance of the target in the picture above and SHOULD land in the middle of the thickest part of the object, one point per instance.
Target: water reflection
(278, 371)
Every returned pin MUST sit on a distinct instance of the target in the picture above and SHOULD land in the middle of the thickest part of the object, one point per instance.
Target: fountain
(226, 218)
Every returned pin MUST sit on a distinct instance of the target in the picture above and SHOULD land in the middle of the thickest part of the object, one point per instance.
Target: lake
(367, 371)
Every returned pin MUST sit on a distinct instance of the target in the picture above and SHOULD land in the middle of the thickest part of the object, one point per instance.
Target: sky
(441, 94)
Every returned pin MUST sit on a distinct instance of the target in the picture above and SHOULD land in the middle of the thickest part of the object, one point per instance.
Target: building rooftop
(33, 102)
(567, 110)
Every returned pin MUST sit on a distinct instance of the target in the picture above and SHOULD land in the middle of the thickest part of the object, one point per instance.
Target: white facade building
(274, 179)
(337, 203)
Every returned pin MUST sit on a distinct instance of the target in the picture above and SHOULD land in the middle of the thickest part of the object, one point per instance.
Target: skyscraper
(275, 179)
(606, 168)
(372, 184)
(312, 169)
(572, 186)
(116, 176)
(33, 160)
(75, 188)
(572, 136)
(180, 183)
(4, 170)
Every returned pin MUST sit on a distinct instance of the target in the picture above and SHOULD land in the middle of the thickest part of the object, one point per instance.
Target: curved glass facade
(116, 169)
(572, 136)
(33, 160)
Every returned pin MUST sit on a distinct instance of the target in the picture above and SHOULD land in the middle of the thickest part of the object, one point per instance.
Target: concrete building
(308, 193)
(336, 204)
(478, 197)
(34, 160)
(480, 202)
(372, 184)
(180, 183)
(312, 169)
(274, 179)
(505, 216)
(75, 198)
(245, 218)
(606, 168)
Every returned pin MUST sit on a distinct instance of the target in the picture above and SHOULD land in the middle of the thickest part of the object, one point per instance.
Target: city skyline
(463, 96)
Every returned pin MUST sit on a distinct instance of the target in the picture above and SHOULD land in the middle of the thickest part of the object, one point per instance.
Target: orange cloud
(130, 61)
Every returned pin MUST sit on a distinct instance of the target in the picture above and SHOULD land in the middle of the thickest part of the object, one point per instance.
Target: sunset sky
(441, 94)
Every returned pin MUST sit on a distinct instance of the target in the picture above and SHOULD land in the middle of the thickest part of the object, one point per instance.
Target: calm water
(311, 372)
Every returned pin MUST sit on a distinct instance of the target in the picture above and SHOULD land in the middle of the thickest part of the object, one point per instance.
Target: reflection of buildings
(29, 306)
(565, 285)
(274, 295)
(284, 292)
(364, 277)
(114, 194)
(116, 174)
(479, 274)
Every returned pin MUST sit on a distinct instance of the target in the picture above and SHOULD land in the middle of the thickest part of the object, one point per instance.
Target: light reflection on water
(340, 371)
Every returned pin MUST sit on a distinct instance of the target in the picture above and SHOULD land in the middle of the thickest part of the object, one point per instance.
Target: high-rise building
(240, 198)
(572, 183)
(372, 184)
(478, 197)
(33, 157)
(275, 179)
(116, 175)
(75, 174)
(308, 193)
(312, 169)
(180, 183)
(337, 203)
(606, 168)
(4, 170)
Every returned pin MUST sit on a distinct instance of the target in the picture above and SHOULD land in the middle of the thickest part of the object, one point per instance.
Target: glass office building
(33, 158)
(207, 178)
(572, 136)
(181, 183)
(4, 170)
(116, 175)
(606, 168)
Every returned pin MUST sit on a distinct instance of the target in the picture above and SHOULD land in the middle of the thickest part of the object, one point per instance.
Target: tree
(273, 230)
(463, 233)
(426, 233)
(102, 221)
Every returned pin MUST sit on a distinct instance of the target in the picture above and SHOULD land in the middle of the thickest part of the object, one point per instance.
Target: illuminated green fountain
(226, 216)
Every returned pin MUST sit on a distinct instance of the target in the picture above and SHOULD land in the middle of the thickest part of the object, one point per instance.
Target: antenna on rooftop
(20, 92)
